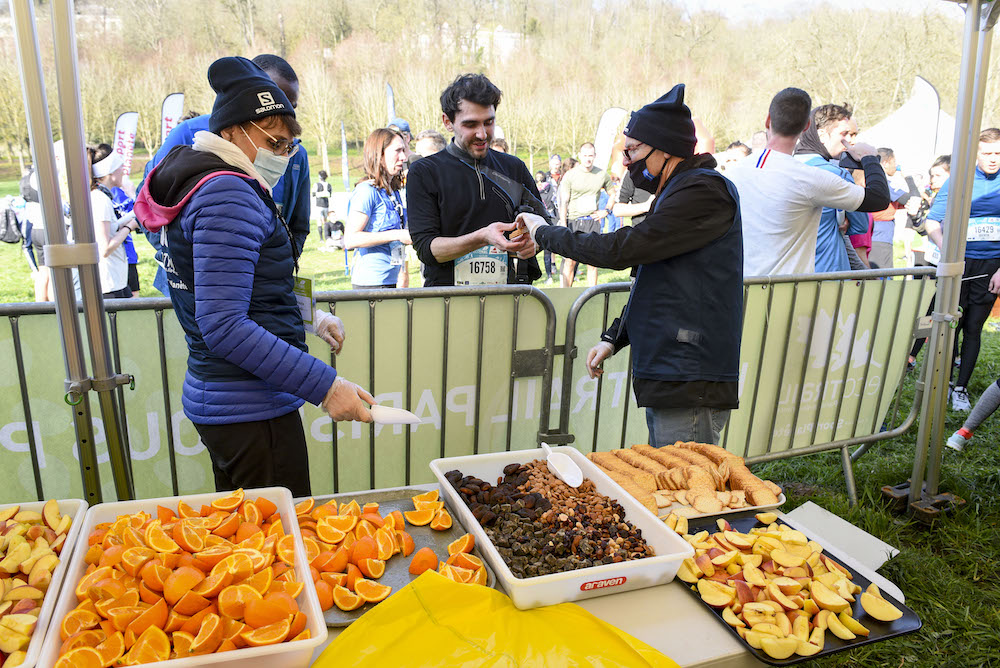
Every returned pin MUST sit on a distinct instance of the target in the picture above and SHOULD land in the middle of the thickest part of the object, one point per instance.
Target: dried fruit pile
(542, 526)
(348, 546)
(30, 545)
(186, 582)
(777, 588)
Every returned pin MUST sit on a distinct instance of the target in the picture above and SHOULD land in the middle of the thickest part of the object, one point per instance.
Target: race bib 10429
(483, 266)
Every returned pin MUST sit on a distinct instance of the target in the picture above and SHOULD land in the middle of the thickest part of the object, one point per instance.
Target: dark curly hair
(475, 88)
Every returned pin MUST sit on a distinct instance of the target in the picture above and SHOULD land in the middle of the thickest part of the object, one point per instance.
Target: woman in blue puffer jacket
(231, 275)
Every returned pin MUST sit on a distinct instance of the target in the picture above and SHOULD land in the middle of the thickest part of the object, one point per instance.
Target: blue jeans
(669, 425)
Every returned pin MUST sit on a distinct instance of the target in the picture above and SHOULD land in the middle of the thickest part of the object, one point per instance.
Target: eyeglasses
(286, 147)
(629, 152)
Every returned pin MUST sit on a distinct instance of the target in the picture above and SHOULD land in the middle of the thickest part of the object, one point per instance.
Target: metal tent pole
(979, 20)
(104, 380)
(40, 132)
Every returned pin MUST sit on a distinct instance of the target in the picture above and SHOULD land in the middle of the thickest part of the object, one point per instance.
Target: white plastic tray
(284, 655)
(579, 584)
(77, 509)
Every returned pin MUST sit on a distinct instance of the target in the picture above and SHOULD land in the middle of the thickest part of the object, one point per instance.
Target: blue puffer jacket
(231, 275)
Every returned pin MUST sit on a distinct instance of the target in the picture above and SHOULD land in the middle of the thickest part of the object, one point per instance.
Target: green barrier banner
(456, 375)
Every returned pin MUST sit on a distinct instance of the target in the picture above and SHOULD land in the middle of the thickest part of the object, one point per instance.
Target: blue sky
(742, 10)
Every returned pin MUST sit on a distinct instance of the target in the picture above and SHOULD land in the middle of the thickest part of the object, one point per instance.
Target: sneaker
(960, 400)
(959, 439)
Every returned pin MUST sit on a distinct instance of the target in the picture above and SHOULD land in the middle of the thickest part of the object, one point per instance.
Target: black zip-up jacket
(447, 198)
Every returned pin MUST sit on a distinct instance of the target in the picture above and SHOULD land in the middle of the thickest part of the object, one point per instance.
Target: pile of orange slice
(185, 583)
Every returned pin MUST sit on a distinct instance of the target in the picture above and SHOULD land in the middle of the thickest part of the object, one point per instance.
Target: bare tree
(245, 13)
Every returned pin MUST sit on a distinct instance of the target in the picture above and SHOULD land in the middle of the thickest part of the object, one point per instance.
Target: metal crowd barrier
(430, 327)
(758, 441)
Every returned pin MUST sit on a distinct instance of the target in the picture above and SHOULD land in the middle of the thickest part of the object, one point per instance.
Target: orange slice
(480, 577)
(184, 510)
(305, 635)
(423, 559)
(251, 513)
(88, 638)
(261, 581)
(112, 649)
(285, 549)
(227, 527)
(233, 599)
(328, 533)
(111, 556)
(182, 643)
(90, 580)
(254, 541)
(209, 635)
(370, 591)
(188, 537)
(76, 621)
(175, 622)
(267, 635)
(364, 529)
(180, 582)
(432, 495)
(81, 657)
(372, 568)
(153, 645)
(213, 555)
(305, 507)
(405, 542)
(334, 579)
(213, 584)
(191, 603)
(298, 624)
(193, 623)
(464, 544)
(346, 600)
(146, 594)
(266, 507)
(246, 530)
(154, 575)
(419, 518)
(230, 502)
(442, 521)
(351, 508)
(463, 560)
(286, 600)
(157, 539)
(122, 617)
(386, 543)
(428, 505)
(155, 615)
(259, 612)
(239, 564)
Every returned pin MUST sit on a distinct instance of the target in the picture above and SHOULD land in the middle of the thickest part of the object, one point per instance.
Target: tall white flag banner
(170, 114)
(607, 131)
(125, 129)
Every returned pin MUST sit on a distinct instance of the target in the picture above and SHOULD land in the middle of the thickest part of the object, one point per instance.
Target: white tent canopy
(917, 132)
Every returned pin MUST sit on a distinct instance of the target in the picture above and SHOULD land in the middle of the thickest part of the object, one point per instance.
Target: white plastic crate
(578, 584)
(284, 655)
(77, 509)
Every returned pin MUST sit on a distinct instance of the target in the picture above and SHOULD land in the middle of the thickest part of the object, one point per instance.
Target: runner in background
(321, 200)
(375, 218)
(579, 210)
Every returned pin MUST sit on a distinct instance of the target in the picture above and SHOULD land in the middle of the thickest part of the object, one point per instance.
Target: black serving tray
(908, 623)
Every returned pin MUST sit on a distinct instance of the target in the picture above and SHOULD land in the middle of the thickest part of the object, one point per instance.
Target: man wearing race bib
(462, 201)
(982, 255)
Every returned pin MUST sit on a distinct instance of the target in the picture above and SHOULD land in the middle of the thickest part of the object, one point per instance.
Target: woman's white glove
(531, 222)
(330, 328)
(346, 401)
(596, 357)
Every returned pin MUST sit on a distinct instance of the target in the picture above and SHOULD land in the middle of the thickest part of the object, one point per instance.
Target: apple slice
(716, 594)
(40, 578)
(723, 525)
(738, 540)
(779, 648)
(754, 576)
(774, 593)
(11, 641)
(50, 514)
(23, 624)
(65, 522)
(705, 565)
(817, 637)
(57, 544)
(800, 628)
(24, 607)
(9, 513)
(786, 559)
(28, 517)
(5, 607)
(838, 629)
(753, 638)
(24, 591)
(832, 565)
(879, 608)
(787, 585)
(810, 606)
(794, 537)
(757, 613)
(688, 571)
(730, 618)
(15, 555)
(766, 518)
(743, 592)
(769, 628)
(724, 559)
(853, 625)
(822, 620)
(782, 621)
(807, 649)
(827, 598)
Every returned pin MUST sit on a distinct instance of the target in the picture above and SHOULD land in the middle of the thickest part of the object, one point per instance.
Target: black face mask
(641, 178)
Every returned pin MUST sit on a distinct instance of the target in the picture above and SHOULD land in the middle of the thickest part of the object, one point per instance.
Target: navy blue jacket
(230, 268)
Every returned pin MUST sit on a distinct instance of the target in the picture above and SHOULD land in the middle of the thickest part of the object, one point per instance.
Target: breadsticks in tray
(644, 497)
(643, 479)
(713, 452)
(662, 456)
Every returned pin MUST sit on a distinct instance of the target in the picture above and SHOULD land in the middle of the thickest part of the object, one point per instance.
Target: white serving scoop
(563, 467)
(389, 415)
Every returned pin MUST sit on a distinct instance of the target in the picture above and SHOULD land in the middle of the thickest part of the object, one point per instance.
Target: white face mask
(271, 167)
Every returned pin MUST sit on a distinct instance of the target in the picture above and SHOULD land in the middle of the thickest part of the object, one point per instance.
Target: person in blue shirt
(291, 194)
(376, 221)
(821, 145)
(982, 256)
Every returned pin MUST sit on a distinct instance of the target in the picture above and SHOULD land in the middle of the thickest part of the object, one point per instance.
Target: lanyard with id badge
(397, 249)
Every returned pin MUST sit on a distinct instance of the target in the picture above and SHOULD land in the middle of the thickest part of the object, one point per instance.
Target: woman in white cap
(106, 168)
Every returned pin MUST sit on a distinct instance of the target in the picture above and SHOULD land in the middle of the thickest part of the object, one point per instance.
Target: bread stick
(713, 452)
(643, 479)
(660, 455)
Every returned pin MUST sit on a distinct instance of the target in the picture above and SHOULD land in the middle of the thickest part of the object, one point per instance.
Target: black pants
(976, 301)
(265, 453)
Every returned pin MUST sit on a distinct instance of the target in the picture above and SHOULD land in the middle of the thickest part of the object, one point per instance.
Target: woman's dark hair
(94, 155)
(322, 174)
(475, 88)
(373, 153)
(943, 161)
